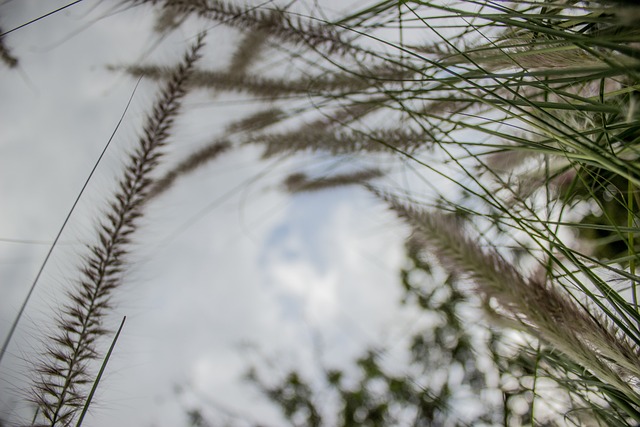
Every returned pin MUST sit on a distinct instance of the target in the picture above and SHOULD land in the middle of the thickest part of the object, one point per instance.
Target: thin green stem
(632, 253)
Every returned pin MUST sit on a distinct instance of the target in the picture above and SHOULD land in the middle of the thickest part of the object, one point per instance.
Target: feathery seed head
(60, 387)
(300, 182)
(537, 304)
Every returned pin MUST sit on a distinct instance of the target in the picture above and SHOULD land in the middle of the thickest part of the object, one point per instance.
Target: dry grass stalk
(523, 54)
(273, 88)
(168, 20)
(342, 142)
(300, 182)
(257, 121)
(192, 162)
(274, 22)
(227, 81)
(63, 371)
(247, 52)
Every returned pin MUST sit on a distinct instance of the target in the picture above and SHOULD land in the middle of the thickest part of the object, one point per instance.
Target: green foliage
(372, 393)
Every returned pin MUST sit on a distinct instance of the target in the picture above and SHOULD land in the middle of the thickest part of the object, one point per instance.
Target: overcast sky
(212, 276)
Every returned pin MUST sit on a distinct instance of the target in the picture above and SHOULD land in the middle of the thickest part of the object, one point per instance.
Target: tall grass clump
(527, 112)
(512, 126)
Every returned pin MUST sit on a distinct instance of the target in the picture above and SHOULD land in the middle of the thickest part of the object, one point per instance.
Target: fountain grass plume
(301, 183)
(277, 23)
(584, 336)
(195, 160)
(63, 372)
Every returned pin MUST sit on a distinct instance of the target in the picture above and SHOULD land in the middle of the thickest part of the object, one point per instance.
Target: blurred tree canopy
(456, 372)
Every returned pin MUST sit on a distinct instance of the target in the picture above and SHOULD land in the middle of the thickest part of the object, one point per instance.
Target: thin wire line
(39, 18)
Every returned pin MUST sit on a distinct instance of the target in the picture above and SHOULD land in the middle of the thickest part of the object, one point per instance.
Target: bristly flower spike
(63, 373)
